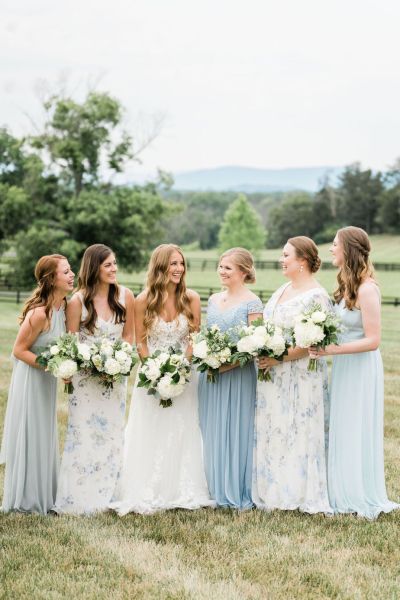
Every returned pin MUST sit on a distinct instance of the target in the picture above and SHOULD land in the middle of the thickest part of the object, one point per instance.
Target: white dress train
(163, 455)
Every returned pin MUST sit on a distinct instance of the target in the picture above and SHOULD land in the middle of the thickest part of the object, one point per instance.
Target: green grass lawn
(206, 554)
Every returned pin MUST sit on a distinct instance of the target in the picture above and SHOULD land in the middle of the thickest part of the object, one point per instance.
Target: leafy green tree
(78, 136)
(12, 159)
(359, 193)
(241, 227)
(296, 215)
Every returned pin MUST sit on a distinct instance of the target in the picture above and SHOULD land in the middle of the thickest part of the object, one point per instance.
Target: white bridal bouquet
(315, 326)
(261, 338)
(62, 359)
(165, 375)
(108, 361)
(211, 349)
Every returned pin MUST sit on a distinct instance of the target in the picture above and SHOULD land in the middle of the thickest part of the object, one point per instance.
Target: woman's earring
(301, 268)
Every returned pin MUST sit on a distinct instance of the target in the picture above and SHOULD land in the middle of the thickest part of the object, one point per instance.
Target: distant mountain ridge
(249, 179)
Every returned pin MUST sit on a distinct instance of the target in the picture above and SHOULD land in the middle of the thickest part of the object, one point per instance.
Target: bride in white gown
(163, 458)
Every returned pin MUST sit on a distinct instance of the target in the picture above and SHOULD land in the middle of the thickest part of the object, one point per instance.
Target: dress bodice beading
(351, 321)
(109, 329)
(167, 334)
(233, 316)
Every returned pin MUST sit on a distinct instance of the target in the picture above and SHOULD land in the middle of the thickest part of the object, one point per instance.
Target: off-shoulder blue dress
(227, 410)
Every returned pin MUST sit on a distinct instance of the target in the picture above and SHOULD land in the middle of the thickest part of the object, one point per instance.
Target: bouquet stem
(165, 403)
(68, 388)
(264, 375)
(313, 364)
(212, 375)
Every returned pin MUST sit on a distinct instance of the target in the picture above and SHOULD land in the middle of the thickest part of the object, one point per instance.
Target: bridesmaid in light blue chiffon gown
(227, 407)
(30, 442)
(356, 478)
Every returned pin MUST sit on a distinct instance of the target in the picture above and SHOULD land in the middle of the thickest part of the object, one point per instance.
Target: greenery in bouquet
(261, 338)
(165, 375)
(108, 361)
(212, 348)
(316, 326)
(62, 358)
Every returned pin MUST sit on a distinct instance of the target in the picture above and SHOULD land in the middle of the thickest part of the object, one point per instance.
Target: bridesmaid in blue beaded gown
(227, 407)
(356, 478)
(30, 442)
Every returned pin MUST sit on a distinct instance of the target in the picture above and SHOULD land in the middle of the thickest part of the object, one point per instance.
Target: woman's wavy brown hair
(88, 279)
(43, 294)
(356, 265)
(156, 287)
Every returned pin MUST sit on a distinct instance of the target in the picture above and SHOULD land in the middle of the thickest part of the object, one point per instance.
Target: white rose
(54, 350)
(121, 356)
(112, 366)
(126, 347)
(200, 349)
(126, 367)
(84, 351)
(176, 359)
(318, 316)
(212, 362)
(98, 362)
(277, 344)
(106, 349)
(308, 334)
(248, 344)
(66, 369)
(225, 355)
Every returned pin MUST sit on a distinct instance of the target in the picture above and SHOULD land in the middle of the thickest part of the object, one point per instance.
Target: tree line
(54, 197)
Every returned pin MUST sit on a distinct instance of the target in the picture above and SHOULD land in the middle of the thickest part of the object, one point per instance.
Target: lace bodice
(165, 334)
(283, 314)
(109, 328)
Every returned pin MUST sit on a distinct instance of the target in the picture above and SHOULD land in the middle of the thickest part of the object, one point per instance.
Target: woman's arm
(141, 339)
(293, 354)
(128, 331)
(370, 307)
(34, 323)
(195, 305)
(74, 314)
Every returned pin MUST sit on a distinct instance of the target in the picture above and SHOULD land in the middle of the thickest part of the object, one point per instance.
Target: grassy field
(218, 554)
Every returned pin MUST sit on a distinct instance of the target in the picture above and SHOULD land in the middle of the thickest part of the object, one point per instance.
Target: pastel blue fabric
(30, 441)
(356, 478)
(226, 411)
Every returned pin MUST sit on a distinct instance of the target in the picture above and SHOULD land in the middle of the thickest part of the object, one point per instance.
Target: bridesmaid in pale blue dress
(30, 443)
(356, 478)
(227, 407)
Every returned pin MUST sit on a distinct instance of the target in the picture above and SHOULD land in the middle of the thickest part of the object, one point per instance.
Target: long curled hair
(43, 294)
(356, 264)
(88, 279)
(156, 287)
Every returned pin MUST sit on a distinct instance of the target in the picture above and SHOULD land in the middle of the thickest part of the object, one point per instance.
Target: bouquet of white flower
(62, 358)
(211, 349)
(315, 326)
(261, 338)
(108, 361)
(165, 375)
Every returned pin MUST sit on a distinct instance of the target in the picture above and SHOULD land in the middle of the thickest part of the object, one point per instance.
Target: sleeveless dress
(163, 463)
(356, 475)
(227, 418)
(30, 440)
(92, 457)
(291, 423)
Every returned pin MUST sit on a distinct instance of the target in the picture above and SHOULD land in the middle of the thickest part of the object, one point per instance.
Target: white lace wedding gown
(163, 455)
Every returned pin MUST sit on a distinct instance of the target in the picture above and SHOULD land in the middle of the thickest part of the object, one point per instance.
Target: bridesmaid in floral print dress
(93, 448)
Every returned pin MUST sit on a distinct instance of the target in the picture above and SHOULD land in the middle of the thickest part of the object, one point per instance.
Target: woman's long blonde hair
(88, 278)
(356, 265)
(43, 294)
(156, 287)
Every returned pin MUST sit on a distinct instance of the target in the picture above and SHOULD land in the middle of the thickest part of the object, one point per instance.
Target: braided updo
(305, 248)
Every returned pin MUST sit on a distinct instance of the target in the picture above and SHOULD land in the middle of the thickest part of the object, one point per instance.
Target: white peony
(66, 369)
(318, 316)
(106, 349)
(277, 344)
(84, 351)
(54, 350)
(151, 369)
(200, 349)
(126, 347)
(212, 362)
(225, 355)
(121, 356)
(249, 344)
(176, 359)
(112, 366)
(167, 389)
(308, 334)
(126, 367)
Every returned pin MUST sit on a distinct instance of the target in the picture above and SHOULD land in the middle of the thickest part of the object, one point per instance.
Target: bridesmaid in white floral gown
(289, 457)
(93, 448)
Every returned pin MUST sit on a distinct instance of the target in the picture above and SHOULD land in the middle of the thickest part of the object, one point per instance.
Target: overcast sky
(257, 83)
